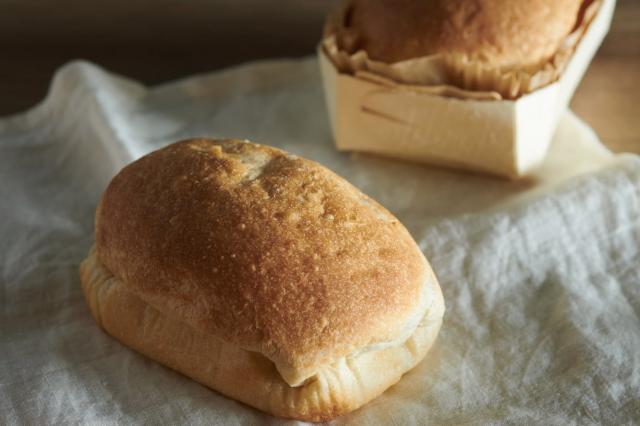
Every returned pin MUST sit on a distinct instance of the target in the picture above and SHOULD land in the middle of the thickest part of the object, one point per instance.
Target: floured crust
(247, 376)
(264, 250)
(507, 34)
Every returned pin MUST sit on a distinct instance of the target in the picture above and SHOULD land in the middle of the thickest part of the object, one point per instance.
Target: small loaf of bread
(506, 34)
(261, 275)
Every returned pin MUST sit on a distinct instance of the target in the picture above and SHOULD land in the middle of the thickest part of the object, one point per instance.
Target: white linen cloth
(541, 278)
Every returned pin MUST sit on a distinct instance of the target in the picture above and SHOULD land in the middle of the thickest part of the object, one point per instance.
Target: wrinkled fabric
(541, 277)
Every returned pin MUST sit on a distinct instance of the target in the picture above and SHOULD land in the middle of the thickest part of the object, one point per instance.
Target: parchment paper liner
(453, 74)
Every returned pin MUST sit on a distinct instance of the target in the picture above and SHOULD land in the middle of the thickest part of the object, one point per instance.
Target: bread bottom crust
(247, 376)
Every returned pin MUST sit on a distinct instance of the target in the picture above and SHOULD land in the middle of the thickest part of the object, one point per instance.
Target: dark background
(161, 40)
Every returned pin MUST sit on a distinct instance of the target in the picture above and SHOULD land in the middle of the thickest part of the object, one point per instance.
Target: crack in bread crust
(244, 375)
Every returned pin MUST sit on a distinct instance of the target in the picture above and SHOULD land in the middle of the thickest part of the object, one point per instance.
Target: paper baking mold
(441, 124)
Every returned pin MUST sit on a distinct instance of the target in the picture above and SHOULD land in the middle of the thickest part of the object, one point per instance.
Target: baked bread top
(506, 34)
(263, 249)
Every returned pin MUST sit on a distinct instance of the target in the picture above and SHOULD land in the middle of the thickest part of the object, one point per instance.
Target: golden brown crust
(247, 376)
(270, 252)
(507, 34)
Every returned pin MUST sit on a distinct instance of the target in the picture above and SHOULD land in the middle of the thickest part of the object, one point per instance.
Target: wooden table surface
(609, 96)
(161, 40)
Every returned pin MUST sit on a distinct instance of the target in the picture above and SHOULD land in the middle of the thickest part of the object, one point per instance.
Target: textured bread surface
(248, 376)
(266, 251)
(506, 34)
